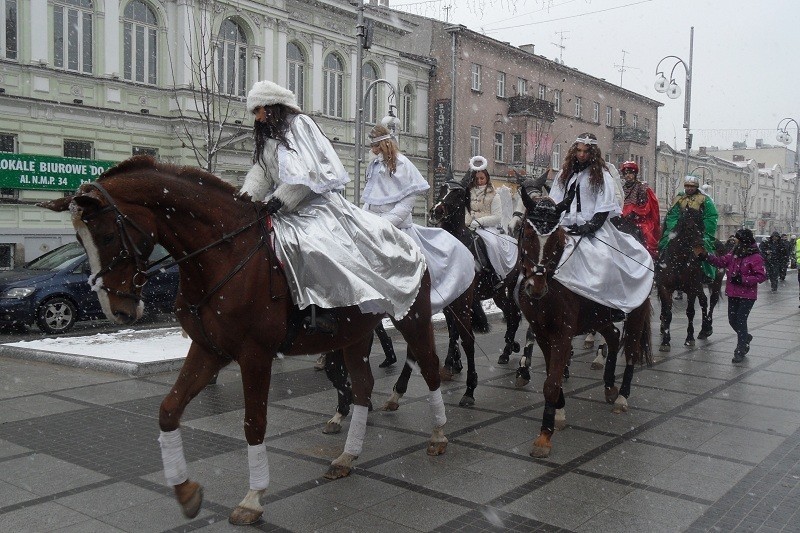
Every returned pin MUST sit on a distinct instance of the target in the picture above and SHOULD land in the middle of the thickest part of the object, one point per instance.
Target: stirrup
(323, 322)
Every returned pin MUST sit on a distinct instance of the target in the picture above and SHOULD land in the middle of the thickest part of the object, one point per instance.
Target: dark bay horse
(233, 301)
(448, 213)
(678, 269)
(556, 315)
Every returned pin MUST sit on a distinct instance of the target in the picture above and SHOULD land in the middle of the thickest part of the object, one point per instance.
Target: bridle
(543, 220)
(442, 204)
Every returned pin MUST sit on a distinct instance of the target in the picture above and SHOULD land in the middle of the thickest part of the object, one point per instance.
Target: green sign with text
(42, 172)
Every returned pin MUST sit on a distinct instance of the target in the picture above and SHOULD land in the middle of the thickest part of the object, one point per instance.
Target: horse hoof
(611, 394)
(190, 497)
(446, 373)
(521, 382)
(390, 406)
(588, 345)
(597, 366)
(242, 516)
(664, 348)
(620, 406)
(705, 334)
(337, 472)
(466, 401)
(331, 428)
(436, 448)
(541, 452)
(689, 342)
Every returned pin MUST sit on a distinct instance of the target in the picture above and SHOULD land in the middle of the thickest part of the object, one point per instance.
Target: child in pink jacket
(746, 270)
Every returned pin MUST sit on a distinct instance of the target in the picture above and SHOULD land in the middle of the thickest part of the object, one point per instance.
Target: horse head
(688, 232)
(541, 245)
(450, 204)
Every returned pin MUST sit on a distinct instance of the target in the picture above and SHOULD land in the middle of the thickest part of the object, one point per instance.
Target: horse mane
(146, 163)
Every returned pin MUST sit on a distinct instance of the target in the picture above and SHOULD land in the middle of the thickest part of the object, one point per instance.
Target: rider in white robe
(391, 196)
(601, 263)
(333, 253)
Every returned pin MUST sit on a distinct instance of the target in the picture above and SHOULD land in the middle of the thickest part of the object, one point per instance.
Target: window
(578, 111)
(407, 108)
(139, 33)
(333, 86)
(555, 158)
(8, 143)
(516, 148)
(622, 118)
(542, 91)
(72, 35)
(609, 116)
(8, 29)
(596, 113)
(474, 141)
(501, 84)
(647, 125)
(522, 86)
(476, 77)
(232, 59)
(370, 74)
(557, 101)
(295, 71)
(145, 150)
(79, 149)
(635, 121)
(499, 142)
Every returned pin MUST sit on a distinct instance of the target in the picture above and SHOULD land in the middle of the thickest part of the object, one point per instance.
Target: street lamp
(703, 168)
(673, 90)
(390, 121)
(784, 137)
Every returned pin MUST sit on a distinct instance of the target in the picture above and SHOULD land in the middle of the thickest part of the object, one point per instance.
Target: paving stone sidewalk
(706, 445)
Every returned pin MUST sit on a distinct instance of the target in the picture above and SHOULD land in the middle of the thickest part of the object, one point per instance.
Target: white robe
(392, 198)
(333, 253)
(609, 267)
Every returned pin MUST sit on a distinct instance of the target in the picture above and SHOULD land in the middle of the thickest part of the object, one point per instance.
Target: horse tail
(638, 336)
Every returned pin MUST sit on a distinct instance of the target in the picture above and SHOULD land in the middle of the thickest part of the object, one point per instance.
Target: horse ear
(466, 180)
(87, 201)
(526, 200)
(58, 205)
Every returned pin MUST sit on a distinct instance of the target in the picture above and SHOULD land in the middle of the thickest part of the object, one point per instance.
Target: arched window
(232, 59)
(295, 71)
(407, 108)
(139, 34)
(333, 86)
(370, 74)
(72, 34)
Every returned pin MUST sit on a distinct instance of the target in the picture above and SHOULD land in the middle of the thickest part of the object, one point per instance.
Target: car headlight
(17, 292)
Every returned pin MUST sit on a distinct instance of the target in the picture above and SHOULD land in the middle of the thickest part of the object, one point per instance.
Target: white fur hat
(266, 93)
(691, 180)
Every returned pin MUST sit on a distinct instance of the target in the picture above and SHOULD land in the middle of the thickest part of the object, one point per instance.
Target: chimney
(759, 143)
(702, 151)
(527, 48)
(738, 157)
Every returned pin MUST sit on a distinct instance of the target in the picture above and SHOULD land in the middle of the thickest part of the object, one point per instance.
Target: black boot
(321, 321)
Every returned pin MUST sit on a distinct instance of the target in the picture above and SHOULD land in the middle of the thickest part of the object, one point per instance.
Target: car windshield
(56, 259)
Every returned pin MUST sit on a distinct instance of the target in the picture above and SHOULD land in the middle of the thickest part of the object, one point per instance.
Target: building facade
(101, 80)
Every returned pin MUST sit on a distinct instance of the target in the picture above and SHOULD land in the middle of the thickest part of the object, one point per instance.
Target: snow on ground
(143, 346)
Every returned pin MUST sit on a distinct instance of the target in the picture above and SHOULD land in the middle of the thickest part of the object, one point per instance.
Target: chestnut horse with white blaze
(233, 301)
(557, 314)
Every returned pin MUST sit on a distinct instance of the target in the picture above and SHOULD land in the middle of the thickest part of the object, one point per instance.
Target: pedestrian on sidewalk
(773, 253)
(797, 258)
(745, 268)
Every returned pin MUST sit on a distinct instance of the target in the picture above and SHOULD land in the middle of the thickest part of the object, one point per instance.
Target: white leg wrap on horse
(357, 431)
(437, 408)
(172, 457)
(259, 468)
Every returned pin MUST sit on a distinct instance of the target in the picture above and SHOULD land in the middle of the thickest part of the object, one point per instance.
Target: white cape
(501, 249)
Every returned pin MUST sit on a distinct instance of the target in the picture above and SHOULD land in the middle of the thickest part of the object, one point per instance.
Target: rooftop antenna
(446, 10)
(622, 68)
(561, 46)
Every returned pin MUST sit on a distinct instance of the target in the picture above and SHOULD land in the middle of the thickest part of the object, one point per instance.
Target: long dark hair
(276, 127)
(596, 164)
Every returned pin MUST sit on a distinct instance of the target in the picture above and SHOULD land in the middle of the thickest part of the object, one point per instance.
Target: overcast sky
(746, 67)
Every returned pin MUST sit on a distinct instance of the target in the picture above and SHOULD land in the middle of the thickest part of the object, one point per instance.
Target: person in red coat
(746, 270)
(640, 205)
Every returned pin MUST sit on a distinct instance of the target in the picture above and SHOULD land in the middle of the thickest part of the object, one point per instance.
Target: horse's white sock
(172, 457)
(259, 468)
(357, 431)
(436, 404)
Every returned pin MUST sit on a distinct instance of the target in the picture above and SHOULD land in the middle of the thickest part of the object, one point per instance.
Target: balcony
(530, 106)
(628, 134)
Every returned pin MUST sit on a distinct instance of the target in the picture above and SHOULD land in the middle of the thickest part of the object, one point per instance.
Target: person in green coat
(693, 198)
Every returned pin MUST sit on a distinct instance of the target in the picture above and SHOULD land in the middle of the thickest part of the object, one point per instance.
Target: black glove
(273, 205)
(590, 227)
(564, 204)
(737, 278)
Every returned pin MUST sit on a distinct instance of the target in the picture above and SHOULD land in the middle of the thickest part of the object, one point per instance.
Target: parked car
(53, 290)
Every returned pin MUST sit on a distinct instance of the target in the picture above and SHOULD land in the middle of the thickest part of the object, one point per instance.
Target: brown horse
(556, 315)
(678, 269)
(233, 301)
(448, 214)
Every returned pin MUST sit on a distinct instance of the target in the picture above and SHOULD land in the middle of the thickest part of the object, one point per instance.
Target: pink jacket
(751, 267)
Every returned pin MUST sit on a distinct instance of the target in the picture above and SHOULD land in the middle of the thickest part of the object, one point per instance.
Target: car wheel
(56, 315)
